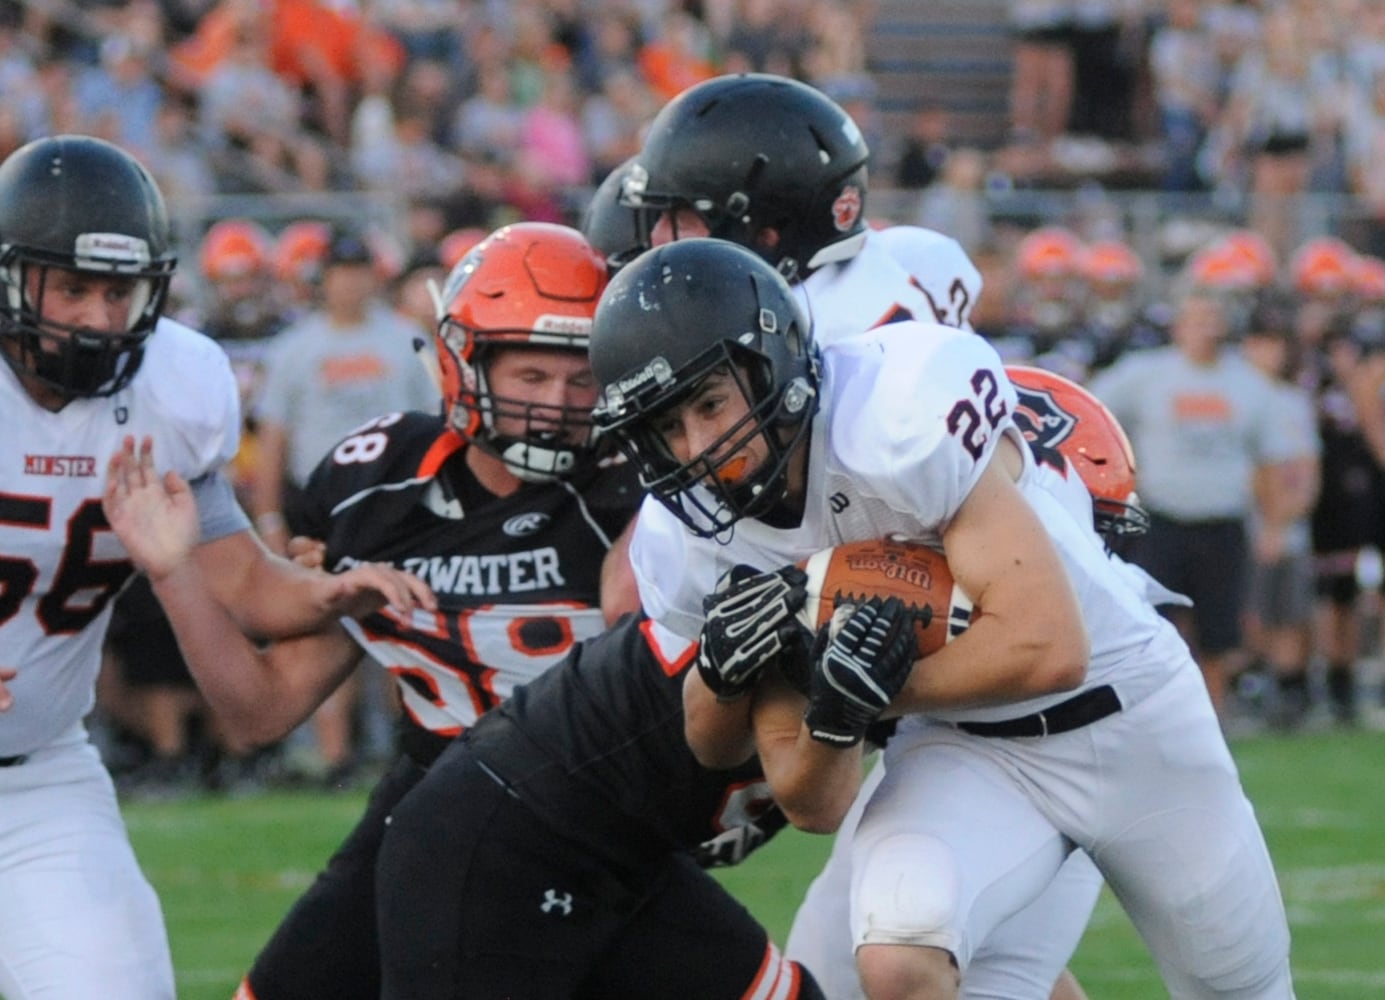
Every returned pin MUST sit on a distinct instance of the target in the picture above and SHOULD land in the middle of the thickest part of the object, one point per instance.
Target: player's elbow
(1062, 664)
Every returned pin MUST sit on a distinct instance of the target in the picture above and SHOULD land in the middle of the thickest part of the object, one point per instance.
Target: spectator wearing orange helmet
(298, 255)
(1240, 266)
(1115, 319)
(240, 312)
(1044, 312)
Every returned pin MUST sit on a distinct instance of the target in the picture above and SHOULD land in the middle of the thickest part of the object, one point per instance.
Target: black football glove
(750, 621)
(860, 670)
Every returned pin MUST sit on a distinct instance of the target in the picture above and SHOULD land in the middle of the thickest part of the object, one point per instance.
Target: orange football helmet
(235, 248)
(1323, 267)
(531, 284)
(1061, 420)
(1255, 252)
(1049, 252)
(1368, 279)
(1111, 262)
(300, 249)
(1220, 268)
(454, 246)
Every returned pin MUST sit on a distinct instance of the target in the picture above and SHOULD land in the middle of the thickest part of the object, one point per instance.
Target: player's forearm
(719, 733)
(265, 594)
(813, 783)
(259, 694)
(991, 664)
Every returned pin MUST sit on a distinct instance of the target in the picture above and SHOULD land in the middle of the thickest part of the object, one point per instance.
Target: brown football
(884, 567)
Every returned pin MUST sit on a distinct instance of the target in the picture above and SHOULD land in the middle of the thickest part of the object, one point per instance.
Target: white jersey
(61, 563)
(901, 273)
(877, 468)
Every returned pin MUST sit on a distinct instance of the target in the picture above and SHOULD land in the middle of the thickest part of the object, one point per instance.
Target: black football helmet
(81, 204)
(610, 226)
(676, 315)
(752, 151)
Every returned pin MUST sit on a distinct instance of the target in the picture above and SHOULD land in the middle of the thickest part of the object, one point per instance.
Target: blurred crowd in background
(1229, 145)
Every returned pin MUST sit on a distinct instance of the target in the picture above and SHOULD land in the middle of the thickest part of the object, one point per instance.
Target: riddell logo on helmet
(550, 323)
(658, 371)
(107, 247)
(846, 210)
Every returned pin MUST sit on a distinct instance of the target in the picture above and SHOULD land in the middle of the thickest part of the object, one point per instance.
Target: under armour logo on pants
(552, 901)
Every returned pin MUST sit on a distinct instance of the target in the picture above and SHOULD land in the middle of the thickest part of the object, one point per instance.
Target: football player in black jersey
(501, 504)
(551, 851)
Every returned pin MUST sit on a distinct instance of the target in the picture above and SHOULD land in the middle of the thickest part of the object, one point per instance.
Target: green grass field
(227, 869)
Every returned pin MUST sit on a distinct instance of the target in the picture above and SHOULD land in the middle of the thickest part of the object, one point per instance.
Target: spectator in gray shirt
(1203, 424)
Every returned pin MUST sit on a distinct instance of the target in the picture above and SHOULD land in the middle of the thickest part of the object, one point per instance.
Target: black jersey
(1347, 513)
(597, 749)
(517, 578)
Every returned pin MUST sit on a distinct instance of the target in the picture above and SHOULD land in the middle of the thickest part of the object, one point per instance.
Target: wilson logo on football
(524, 524)
(846, 210)
(888, 568)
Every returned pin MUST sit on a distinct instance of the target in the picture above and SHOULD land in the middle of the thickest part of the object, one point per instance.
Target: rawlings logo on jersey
(525, 524)
(1044, 424)
(846, 210)
(59, 465)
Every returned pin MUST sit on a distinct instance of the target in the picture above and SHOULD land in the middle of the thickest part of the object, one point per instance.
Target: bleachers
(955, 53)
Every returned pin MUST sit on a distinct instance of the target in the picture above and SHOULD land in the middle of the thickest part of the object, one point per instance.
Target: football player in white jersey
(85, 263)
(776, 166)
(1067, 715)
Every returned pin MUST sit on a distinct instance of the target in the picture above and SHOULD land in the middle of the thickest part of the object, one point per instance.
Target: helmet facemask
(711, 491)
(76, 361)
(555, 440)
(78, 205)
(528, 287)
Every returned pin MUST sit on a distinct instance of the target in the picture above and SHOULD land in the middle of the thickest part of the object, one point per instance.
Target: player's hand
(367, 587)
(155, 517)
(750, 621)
(6, 699)
(861, 669)
(310, 553)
